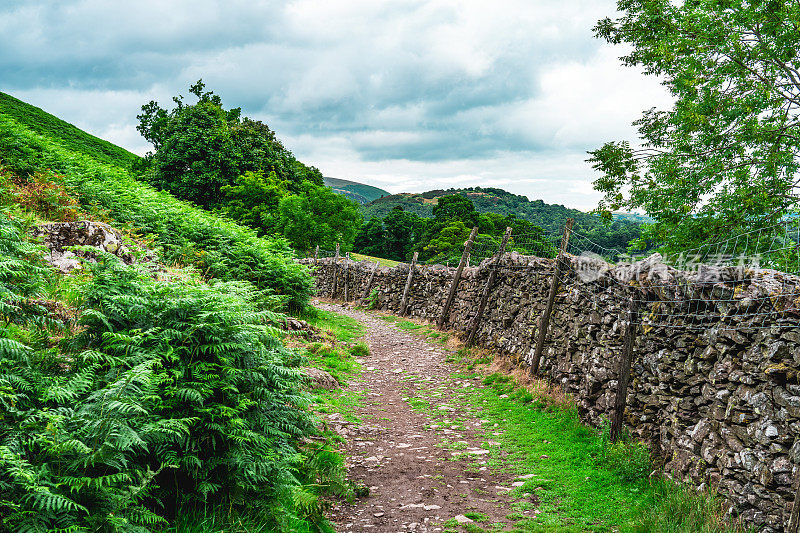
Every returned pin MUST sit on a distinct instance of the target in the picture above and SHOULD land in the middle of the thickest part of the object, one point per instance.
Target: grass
(343, 328)
(581, 482)
(380, 260)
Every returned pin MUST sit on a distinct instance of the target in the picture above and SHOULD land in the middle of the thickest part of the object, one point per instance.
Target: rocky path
(424, 459)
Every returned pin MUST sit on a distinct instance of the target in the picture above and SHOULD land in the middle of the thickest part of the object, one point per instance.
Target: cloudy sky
(407, 95)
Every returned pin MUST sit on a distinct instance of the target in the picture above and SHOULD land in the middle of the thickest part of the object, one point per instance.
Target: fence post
(335, 268)
(794, 517)
(489, 283)
(347, 276)
(544, 320)
(624, 374)
(369, 283)
(457, 277)
(404, 301)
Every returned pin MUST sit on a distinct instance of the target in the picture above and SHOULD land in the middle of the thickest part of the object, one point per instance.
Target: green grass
(381, 261)
(48, 125)
(344, 328)
(581, 482)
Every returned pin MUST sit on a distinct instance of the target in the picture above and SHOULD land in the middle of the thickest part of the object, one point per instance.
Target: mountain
(360, 192)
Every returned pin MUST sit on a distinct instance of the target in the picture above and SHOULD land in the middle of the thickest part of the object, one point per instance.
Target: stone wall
(721, 403)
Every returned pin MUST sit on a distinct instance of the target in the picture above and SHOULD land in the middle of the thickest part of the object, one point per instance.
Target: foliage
(63, 132)
(723, 159)
(441, 240)
(236, 165)
(550, 217)
(172, 394)
(253, 200)
(41, 193)
(201, 147)
(448, 244)
(186, 234)
(455, 207)
(320, 217)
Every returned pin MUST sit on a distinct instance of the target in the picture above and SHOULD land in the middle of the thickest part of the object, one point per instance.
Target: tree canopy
(724, 158)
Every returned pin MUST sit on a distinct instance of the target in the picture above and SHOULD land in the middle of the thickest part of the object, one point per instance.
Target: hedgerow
(217, 247)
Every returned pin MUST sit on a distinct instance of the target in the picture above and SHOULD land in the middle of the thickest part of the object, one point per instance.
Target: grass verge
(570, 477)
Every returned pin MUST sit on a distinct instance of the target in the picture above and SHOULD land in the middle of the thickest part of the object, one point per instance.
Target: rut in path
(423, 467)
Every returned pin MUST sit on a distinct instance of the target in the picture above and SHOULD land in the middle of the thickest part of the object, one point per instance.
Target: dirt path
(424, 460)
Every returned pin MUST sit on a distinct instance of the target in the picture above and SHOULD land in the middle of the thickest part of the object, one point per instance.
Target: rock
(319, 379)
(57, 236)
(461, 519)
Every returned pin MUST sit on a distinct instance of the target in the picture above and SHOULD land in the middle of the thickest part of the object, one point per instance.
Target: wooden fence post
(404, 301)
(335, 268)
(369, 283)
(489, 283)
(544, 320)
(624, 374)
(347, 277)
(457, 278)
(794, 517)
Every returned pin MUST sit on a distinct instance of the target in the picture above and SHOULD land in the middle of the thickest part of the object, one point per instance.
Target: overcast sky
(405, 95)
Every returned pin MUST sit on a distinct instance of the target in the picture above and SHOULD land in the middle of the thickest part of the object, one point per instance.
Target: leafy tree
(402, 231)
(253, 200)
(371, 239)
(202, 147)
(448, 244)
(724, 158)
(319, 216)
(455, 207)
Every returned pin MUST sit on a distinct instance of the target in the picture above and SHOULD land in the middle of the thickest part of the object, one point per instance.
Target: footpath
(426, 459)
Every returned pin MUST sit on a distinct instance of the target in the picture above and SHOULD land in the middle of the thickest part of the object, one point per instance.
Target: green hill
(34, 141)
(550, 217)
(360, 192)
(54, 128)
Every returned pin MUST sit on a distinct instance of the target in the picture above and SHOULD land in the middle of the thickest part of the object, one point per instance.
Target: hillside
(360, 192)
(54, 128)
(33, 141)
(550, 217)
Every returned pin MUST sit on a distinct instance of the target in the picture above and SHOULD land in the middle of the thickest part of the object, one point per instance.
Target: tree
(402, 232)
(371, 239)
(319, 216)
(724, 158)
(455, 207)
(448, 244)
(253, 200)
(202, 147)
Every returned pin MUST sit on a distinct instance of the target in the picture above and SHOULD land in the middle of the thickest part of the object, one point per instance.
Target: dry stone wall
(721, 404)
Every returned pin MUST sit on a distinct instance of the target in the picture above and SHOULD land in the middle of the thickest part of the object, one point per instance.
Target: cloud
(402, 90)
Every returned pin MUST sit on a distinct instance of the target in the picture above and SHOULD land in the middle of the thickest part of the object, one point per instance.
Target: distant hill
(360, 192)
(550, 217)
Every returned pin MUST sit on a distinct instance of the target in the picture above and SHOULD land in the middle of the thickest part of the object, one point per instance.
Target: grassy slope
(32, 140)
(54, 128)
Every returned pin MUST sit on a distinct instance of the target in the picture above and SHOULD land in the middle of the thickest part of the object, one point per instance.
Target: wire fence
(745, 280)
